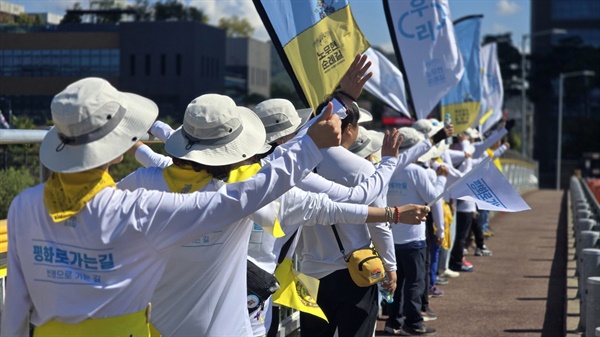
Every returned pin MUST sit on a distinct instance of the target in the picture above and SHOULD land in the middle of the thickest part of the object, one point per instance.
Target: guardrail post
(592, 318)
(590, 268)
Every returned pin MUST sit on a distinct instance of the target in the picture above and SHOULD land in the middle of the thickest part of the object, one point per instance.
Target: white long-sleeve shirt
(203, 288)
(104, 261)
(412, 186)
(320, 255)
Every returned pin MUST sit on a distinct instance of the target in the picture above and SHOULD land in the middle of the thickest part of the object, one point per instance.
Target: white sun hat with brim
(364, 116)
(472, 133)
(410, 138)
(367, 142)
(280, 118)
(424, 126)
(437, 149)
(94, 123)
(216, 132)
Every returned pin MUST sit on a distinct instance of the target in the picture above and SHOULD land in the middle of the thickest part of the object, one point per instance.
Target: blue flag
(464, 100)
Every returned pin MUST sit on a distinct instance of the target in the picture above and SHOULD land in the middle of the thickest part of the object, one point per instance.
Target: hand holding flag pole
(459, 181)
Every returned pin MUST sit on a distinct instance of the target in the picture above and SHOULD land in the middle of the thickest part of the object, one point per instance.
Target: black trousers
(463, 228)
(349, 308)
(431, 240)
(406, 308)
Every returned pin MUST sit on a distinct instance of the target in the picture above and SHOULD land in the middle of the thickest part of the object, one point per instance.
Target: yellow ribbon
(496, 160)
(448, 218)
(65, 194)
(185, 180)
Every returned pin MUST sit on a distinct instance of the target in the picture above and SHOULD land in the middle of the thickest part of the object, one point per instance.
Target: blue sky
(500, 16)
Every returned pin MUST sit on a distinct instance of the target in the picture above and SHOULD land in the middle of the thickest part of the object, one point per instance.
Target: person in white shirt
(202, 291)
(410, 185)
(84, 257)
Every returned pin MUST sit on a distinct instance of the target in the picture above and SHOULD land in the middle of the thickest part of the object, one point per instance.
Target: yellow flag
(298, 291)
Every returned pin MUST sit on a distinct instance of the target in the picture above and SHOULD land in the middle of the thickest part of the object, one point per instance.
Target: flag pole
(460, 180)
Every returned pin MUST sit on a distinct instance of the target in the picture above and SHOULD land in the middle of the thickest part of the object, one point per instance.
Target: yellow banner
(463, 115)
(322, 54)
(297, 290)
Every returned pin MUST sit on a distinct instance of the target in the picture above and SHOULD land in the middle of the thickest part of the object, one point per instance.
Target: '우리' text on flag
(317, 42)
(387, 82)
(423, 37)
(464, 100)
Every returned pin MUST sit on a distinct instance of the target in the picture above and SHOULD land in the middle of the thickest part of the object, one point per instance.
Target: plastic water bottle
(448, 121)
(387, 296)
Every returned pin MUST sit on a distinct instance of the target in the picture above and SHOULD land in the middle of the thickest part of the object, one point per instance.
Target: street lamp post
(562, 78)
(524, 38)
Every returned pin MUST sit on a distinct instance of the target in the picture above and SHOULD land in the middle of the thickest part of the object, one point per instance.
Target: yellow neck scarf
(244, 172)
(185, 180)
(65, 194)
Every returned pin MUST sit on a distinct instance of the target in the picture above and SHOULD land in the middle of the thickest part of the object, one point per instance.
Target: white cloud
(507, 7)
(216, 9)
(498, 28)
(387, 47)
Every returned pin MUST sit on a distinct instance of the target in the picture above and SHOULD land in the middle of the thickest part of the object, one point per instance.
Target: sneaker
(428, 315)
(440, 280)
(466, 263)
(483, 252)
(393, 331)
(465, 251)
(420, 331)
(488, 234)
(435, 292)
(465, 268)
(450, 273)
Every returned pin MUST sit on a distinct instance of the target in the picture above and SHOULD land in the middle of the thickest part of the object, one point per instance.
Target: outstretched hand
(354, 80)
(413, 214)
(326, 130)
(391, 143)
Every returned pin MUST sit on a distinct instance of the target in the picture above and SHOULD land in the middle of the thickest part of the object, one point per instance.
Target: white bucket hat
(216, 132)
(94, 123)
(364, 116)
(280, 118)
(437, 149)
(367, 142)
(410, 138)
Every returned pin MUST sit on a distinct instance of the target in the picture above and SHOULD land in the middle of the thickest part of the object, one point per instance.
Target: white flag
(424, 34)
(493, 92)
(488, 188)
(387, 82)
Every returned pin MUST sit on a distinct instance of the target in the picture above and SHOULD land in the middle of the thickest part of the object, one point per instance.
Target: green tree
(169, 10)
(143, 10)
(195, 14)
(72, 17)
(12, 182)
(236, 27)
(24, 19)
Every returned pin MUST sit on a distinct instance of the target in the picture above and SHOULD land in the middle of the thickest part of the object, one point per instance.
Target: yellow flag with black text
(316, 41)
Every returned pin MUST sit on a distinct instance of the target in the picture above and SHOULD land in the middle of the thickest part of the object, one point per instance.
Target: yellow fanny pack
(365, 265)
(134, 324)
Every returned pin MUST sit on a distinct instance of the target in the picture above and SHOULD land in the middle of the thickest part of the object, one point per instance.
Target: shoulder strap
(339, 242)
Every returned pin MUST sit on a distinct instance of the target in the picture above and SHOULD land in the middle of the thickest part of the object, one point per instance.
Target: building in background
(140, 57)
(248, 68)
(551, 55)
